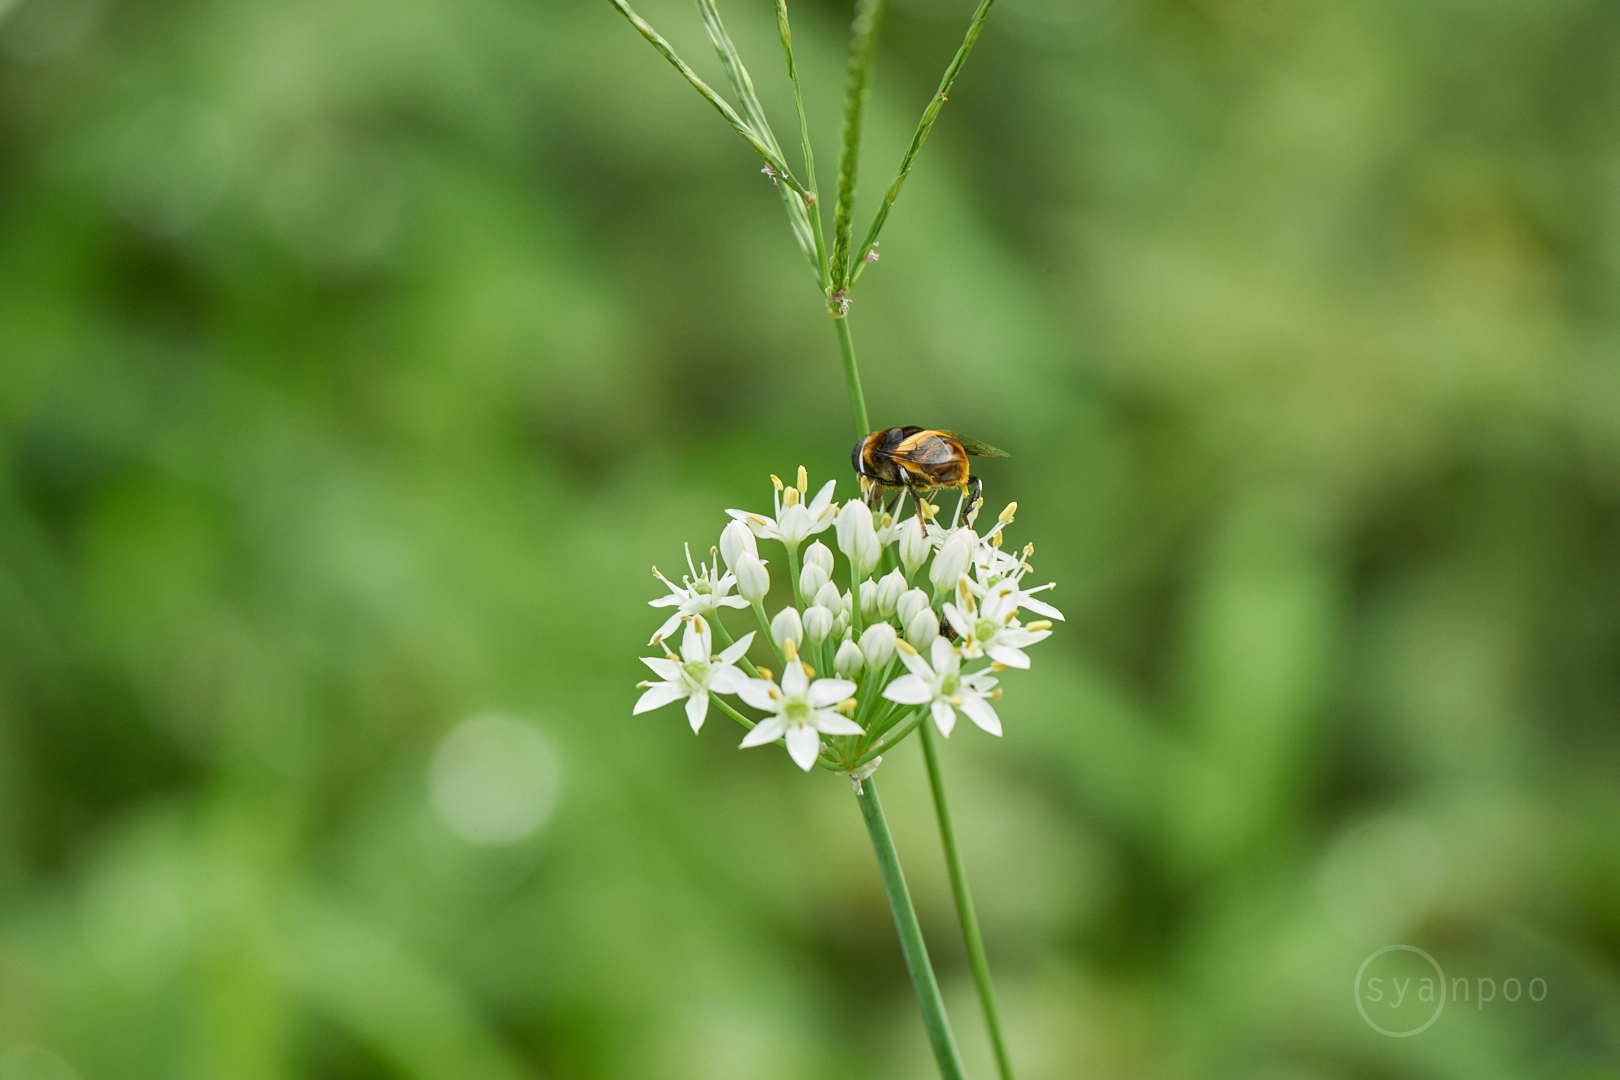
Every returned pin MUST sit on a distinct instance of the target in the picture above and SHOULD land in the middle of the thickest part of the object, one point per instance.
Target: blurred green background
(357, 359)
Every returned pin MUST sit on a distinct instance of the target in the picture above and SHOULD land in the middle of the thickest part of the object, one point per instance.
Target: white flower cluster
(893, 649)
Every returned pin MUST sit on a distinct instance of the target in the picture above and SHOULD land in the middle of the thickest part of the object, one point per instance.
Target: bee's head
(855, 456)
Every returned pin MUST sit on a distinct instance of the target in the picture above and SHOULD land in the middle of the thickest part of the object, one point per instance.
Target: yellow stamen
(809, 672)
(995, 695)
(997, 665)
(777, 480)
(804, 480)
(846, 706)
(1006, 516)
(1041, 624)
(790, 649)
(764, 673)
(790, 497)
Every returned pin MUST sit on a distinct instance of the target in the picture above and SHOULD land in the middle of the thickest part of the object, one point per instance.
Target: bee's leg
(974, 489)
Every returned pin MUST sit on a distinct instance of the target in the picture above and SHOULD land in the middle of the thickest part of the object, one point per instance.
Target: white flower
(923, 628)
(993, 629)
(909, 604)
(914, 544)
(877, 645)
(857, 538)
(848, 661)
(869, 607)
(952, 560)
(889, 591)
(818, 623)
(944, 689)
(793, 522)
(695, 675)
(811, 579)
(753, 580)
(737, 539)
(704, 592)
(787, 627)
(820, 555)
(801, 711)
(828, 597)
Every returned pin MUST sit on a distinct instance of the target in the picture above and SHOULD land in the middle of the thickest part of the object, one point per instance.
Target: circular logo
(1440, 1000)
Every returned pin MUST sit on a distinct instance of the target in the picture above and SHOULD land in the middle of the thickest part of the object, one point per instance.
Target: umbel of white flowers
(869, 647)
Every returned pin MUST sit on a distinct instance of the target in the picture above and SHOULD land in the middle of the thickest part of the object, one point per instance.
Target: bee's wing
(975, 447)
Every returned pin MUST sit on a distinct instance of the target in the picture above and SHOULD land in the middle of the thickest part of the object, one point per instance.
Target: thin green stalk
(911, 939)
(771, 157)
(930, 114)
(852, 378)
(964, 906)
(733, 713)
(863, 37)
(765, 628)
(814, 207)
(726, 640)
(889, 744)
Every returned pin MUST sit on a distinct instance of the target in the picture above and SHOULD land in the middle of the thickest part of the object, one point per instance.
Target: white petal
(979, 711)
(957, 620)
(768, 731)
(667, 629)
(695, 642)
(1040, 607)
(794, 680)
(697, 708)
(726, 680)
(916, 664)
(832, 723)
(657, 696)
(944, 656)
(794, 525)
(738, 647)
(825, 692)
(944, 717)
(822, 500)
(1006, 654)
(668, 670)
(757, 692)
(803, 744)
(737, 602)
(909, 690)
(666, 601)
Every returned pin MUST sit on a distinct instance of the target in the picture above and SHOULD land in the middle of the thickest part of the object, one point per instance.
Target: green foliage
(343, 345)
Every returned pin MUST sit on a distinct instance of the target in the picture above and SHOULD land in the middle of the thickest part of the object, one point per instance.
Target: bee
(919, 460)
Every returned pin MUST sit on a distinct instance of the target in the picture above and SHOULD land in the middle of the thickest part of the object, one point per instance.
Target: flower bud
(913, 543)
(909, 604)
(889, 591)
(847, 603)
(811, 579)
(736, 539)
(877, 645)
(840, 625)
(923, 629)
(787, 627)
(753, 580)
(848, 661)
(857, 538)
(818, 623)
(950, 562)
(819, 554)
(869, 608)
(828, 597)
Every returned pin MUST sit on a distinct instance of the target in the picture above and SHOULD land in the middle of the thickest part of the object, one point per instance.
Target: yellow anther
(764, 673)
(847, 705)
(1042, 624)
(777, 480)
(997, 665)
(804, 479)
(1006, 516)
(905, 646)
(790, 649)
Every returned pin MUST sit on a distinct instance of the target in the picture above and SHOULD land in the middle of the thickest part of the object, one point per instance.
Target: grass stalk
(923, 982)
(862, 41)
(964, 905)
(930, 114)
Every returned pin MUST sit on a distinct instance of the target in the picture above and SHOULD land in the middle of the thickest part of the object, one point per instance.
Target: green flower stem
(715, 699)
(911, 939)
(726, 640)
(852, 377)
(812, 208)
(888, 744)
(862, 40)
(765, 628)
(964, 906)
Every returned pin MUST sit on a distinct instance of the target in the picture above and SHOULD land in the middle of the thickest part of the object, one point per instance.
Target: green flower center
(950, 685)
(702, 588)
(983, 629)
(796, 709)
(696, 669)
